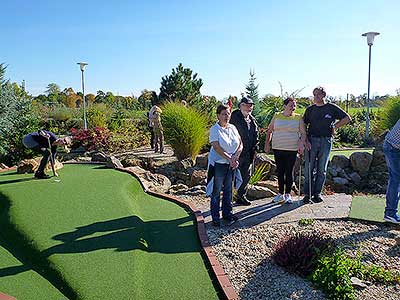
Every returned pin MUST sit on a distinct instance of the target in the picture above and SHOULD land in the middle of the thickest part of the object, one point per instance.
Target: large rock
(270, 184)
(99, 157)
(340, 161)
(113, 162)
(378, 158)
(262, 158)
(31, 165)
(198, 177)
(3, 166)
(258, 192)
(361, 161)
(355, 178)
(202, 161)
(184, 164)
(153, 182)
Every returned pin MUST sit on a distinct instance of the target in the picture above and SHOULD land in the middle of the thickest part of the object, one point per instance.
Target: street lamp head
(370, 37)
(82, 65)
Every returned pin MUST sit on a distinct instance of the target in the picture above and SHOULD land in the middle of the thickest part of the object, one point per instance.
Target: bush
(185, 129)
(98, 115)
(333, 274)
(17, 118)
(300, 252)
(91, 139)
(391, 112)
(129, 135)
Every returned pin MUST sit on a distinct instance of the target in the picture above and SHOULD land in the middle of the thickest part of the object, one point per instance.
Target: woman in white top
(223, 159)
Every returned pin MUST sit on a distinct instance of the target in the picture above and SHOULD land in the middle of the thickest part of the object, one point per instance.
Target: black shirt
(320, 119)
(42, 141)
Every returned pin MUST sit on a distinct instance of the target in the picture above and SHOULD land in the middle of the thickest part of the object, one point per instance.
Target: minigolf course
(96, 235)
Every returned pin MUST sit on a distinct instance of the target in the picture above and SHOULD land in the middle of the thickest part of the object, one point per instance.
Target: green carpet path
(369, 208)
(105, 236)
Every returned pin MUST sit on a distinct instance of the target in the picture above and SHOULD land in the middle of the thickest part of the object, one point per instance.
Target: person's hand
(308, 145)
(234, 163)
(267, 148)
(301, 149)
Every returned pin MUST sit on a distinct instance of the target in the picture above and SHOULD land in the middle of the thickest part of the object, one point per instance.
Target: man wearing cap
(248, 130)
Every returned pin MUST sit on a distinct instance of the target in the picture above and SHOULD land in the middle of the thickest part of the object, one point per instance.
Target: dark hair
(321, 89)
(287, 100)
(222, 107)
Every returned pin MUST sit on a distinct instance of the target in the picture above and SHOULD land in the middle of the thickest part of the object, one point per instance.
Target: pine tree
(252, 91)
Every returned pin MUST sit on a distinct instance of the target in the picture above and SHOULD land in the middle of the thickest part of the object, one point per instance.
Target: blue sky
(130, 45)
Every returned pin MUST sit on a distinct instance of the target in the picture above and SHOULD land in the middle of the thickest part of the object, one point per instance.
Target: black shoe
(306, 199)
(41, 176)
(216, 223)
(243, 201)
(231, 218)
(317, 199)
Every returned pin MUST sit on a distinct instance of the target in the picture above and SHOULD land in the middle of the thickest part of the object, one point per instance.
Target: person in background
(38, 141)
(321, 119)
(150, 116)
(248, 130)
(223, 159)
(288, 138)
(158, 130)
(391, 149)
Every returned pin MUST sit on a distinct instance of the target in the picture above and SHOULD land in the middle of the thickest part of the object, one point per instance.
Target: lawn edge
(224, 283)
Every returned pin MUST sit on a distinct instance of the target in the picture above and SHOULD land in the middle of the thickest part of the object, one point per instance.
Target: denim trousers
(317, 160)
(392, 156)
(223, 181)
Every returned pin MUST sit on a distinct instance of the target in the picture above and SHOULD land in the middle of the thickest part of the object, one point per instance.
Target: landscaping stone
(99, 157)
(270, 184)
(340, 161)
(153, 182)
(202, 161)
(258, 192)
(361, 161)
(113, 162)
(31, 165)
(355, 178)
(198, 177)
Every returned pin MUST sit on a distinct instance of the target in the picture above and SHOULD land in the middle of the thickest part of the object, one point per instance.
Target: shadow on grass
(129, 233)
(16, 180)
(19, 246)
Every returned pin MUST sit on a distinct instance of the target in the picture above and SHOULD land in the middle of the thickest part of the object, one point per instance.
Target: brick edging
(223, 280)
(8, 169)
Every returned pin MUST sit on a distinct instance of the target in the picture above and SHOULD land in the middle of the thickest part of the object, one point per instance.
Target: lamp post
(82, 65)
(370, 40)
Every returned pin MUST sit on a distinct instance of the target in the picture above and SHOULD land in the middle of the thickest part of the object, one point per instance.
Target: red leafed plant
(91, 139)
(299, 253)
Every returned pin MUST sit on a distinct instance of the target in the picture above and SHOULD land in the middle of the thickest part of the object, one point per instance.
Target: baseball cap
(246, 101)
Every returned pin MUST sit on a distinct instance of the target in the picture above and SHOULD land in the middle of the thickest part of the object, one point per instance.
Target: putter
(309, 175)
(299, 192)
(52, 162)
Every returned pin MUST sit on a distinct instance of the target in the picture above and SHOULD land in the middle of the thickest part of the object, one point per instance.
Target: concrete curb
(219, 273)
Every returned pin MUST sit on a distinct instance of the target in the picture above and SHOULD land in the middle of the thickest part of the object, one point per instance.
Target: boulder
(340, 181)
(183, 164)
(3, 166)
(153, 182)
(99, 157)
(179, 188)
(27, 166)
(202, 161)
(263, 158)
(270, 184)
(131, 162)
(361, 161)
(258, 192)
(198, 177)
(378, 158)
(397, 239)
(355, 178)
(113, 162)
(340, 161)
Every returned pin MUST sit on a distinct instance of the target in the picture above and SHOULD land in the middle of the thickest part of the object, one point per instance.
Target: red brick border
(223, 280)
(6, 297)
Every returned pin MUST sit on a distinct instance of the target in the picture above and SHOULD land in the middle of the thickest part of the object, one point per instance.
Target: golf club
(52, 161)
(309, 175)
(299, 187)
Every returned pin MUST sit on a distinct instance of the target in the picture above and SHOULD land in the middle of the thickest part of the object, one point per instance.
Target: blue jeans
(222, 182)
(392, 156)
(317, 159)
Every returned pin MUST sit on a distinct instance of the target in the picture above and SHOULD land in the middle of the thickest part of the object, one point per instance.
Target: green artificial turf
(104, 237)
(370, 208)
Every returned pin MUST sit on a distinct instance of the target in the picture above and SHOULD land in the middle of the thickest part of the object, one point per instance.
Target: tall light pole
(82, 65)
(370, 40)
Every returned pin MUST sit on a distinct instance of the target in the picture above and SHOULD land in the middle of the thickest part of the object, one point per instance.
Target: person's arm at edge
(270, 129)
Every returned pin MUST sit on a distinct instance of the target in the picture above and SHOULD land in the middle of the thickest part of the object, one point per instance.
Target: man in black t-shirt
(321, 120)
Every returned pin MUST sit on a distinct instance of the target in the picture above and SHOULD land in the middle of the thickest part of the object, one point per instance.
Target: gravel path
(244, 253)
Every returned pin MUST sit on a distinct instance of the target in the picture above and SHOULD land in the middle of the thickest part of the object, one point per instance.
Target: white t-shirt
(228, 138)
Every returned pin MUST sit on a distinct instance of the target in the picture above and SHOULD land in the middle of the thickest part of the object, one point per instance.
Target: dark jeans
(392, 156)
(223, 178)
(317, 160)
(285, 160)
(45, 159)
(245, 170)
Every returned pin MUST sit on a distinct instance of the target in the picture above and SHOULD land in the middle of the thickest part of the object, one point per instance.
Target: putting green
(369, 208)
(104, 236)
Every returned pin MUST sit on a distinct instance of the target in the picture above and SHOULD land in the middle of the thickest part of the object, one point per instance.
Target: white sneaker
(278, 199)
(288, 198)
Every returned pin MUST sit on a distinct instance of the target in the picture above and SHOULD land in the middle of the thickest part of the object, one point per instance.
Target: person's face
(291, 106)
(246, 108)
(318, 95)
(224, 116)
